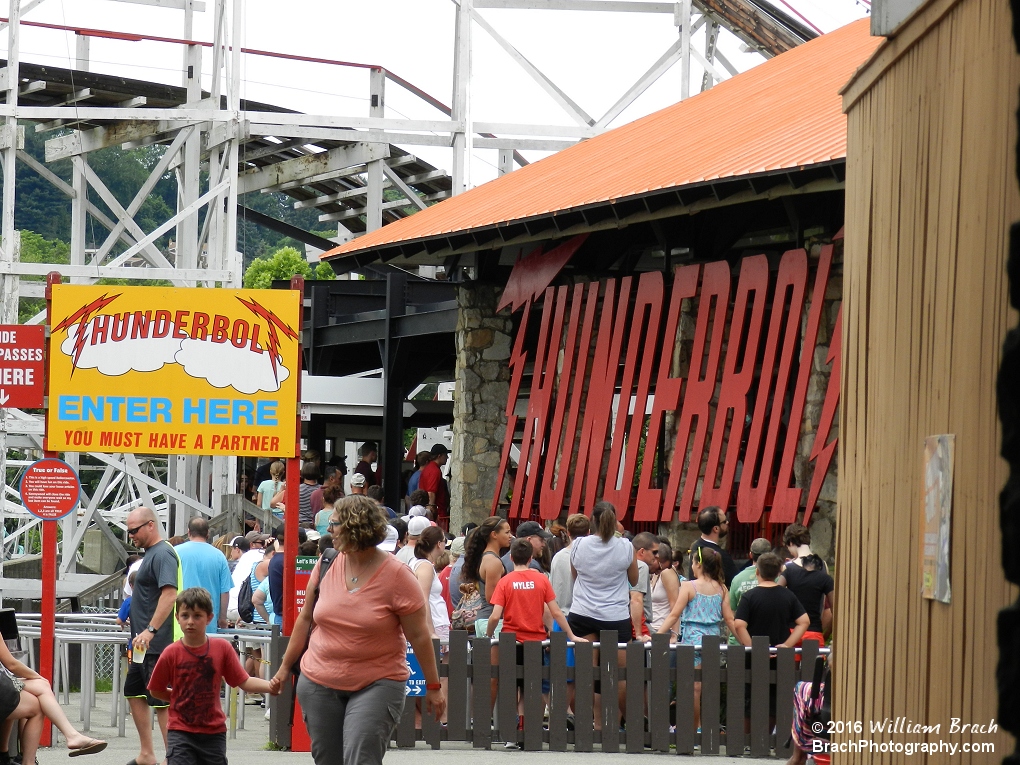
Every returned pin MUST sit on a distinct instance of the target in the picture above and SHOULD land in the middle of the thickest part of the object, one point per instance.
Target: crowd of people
(588, 576)
(384, 580)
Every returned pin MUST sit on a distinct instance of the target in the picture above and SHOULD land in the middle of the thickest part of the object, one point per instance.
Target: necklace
(192, 650)
(354, 579)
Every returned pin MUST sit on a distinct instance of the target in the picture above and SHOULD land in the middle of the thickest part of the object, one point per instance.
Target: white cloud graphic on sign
(113, 359)
(226, 366)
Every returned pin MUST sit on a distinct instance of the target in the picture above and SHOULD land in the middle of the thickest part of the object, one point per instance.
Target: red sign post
(21, 365)
(49, 490)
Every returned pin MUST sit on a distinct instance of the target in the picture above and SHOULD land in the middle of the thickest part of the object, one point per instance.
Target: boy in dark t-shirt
(188, 675)
(770, 610)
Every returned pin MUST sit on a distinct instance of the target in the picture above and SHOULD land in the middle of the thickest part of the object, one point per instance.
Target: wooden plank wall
(930, 197)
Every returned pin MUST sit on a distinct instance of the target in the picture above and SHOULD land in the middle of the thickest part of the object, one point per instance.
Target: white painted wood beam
(312, 164)
(406, 190)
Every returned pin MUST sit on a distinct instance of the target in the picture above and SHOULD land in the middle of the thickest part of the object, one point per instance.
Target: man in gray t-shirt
(646, 547)
(152, 623)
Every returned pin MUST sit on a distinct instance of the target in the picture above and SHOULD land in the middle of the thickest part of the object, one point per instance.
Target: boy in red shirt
(520, 599)
(188, 675)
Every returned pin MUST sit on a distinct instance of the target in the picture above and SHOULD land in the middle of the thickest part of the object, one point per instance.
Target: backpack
(820, 710)
(245, 608)
(325, 561)
(466, 613)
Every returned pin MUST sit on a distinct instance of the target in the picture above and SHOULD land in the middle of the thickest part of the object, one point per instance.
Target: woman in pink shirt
(353, 674)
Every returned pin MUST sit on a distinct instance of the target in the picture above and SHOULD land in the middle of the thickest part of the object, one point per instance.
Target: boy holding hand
(188, 675)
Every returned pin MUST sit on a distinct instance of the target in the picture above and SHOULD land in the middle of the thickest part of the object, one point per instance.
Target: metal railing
(746, 696)
(89, 631)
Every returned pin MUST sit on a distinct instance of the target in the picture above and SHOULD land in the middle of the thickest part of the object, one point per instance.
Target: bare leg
(697, 706)
(51, 708)
(5, 734)
(140, 716)
(799, 757)
(163, 718)
(29, 711)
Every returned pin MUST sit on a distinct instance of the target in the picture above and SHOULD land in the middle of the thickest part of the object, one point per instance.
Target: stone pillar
(823, 520)
(482, 387)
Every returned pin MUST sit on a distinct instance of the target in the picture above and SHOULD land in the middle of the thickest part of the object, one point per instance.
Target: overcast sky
(593, 57)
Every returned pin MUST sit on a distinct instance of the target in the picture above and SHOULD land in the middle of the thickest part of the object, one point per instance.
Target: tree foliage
(45, 210)
(281, 265)
(38, 249)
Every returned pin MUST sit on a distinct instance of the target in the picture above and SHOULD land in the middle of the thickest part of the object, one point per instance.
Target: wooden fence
(737, 684)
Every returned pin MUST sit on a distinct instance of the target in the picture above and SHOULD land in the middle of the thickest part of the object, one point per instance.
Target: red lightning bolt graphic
(532, 274)
(517, 358)
(273, 324)
(821, 452)
(83, 316)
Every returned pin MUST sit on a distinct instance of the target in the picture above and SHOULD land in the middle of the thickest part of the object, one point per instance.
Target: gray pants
(357, 723)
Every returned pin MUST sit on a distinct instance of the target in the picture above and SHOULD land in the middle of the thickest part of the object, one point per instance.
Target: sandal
(92, 747)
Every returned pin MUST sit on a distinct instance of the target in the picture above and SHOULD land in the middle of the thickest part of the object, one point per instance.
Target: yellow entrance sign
(163, 370)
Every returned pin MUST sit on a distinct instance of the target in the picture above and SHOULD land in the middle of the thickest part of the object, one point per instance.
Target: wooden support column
(462, 139)
(188, 173)
(506, 161)
(711, 38)
(377, 108)
(683, 21)
(81, 52)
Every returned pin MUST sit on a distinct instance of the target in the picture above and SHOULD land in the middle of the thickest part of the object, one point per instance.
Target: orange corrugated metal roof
(784, 113)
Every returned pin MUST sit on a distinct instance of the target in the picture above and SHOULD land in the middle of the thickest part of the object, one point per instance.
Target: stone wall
(823, 520)
(483, 340)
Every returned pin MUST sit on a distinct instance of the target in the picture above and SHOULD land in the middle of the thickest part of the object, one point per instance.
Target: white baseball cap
(417, 525)
(390, 543)
(358, 479)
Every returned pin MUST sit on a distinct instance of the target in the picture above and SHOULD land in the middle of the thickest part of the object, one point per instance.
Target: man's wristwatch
(433, 686)
(151, 629)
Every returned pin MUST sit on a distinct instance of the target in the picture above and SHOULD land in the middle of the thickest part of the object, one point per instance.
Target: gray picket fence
(738, 687)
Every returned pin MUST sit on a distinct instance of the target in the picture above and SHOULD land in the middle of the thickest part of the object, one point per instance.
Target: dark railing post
(558, 687)
(760, 662)
(456, 706)
(431, 729)
(659, 689)
(710, 675)
(533, 705)
(808, 653)
(481, 701)
(786, 677)
(736, 679)
(282, 714)
(685, 699)
(406, 733)
(634, 674)
(609, 676)
(506, 694)
(584, 719)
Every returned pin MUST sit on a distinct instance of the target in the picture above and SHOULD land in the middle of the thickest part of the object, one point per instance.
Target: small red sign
(21, 365)
(50, 489)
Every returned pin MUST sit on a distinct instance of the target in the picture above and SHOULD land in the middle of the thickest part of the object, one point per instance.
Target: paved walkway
(255, 738)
